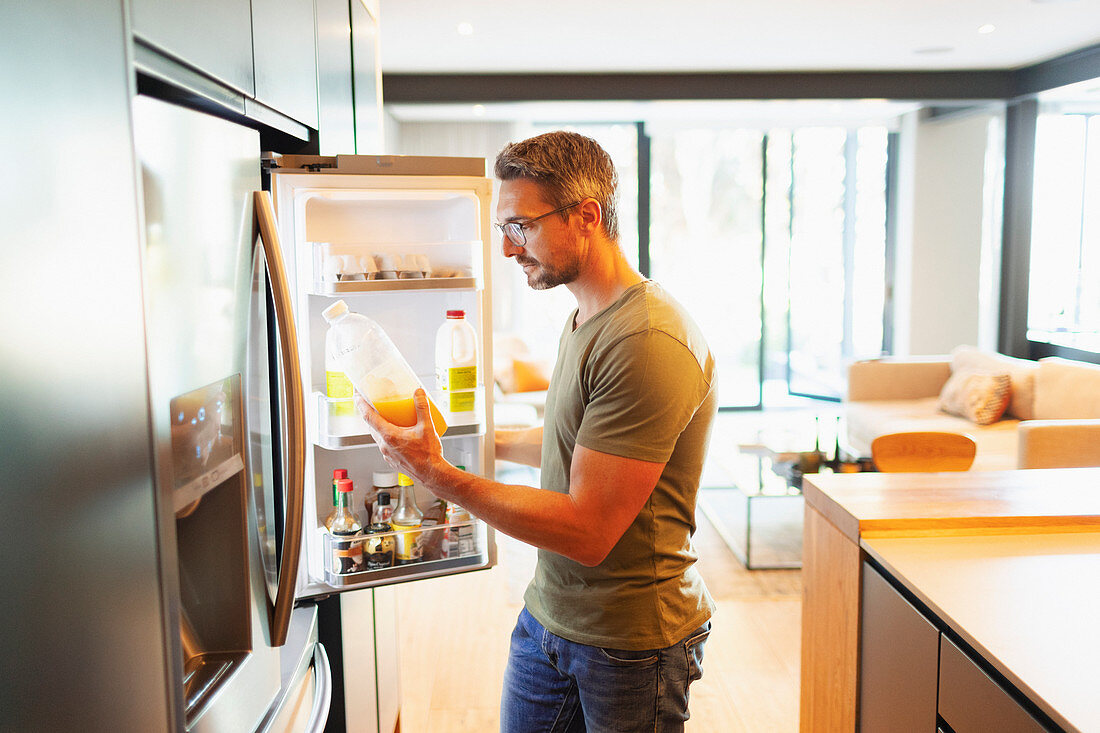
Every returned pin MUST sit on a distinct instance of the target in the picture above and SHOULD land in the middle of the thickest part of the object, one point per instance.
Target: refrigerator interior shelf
(439, 547)
(340, 426)
(193, 490)
(380, 286)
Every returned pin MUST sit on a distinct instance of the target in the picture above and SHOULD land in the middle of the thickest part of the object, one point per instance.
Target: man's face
(549, 257)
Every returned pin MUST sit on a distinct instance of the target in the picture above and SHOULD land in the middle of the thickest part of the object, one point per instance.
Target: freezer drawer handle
(295, 419)
(322, 693)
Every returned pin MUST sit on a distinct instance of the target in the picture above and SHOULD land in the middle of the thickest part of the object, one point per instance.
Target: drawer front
(898, 655)
(972, 702)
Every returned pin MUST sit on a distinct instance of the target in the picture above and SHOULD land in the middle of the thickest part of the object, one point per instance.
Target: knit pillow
(980, 397)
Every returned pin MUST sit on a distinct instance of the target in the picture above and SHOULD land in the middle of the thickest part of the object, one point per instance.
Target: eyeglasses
(514, 229)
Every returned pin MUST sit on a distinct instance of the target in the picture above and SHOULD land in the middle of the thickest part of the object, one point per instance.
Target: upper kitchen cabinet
(335, 102)
(284, 41)
(213, 36)
(367, 80)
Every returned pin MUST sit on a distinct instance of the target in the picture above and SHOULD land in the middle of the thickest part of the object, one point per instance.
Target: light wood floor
(454, 631)
(454, 640)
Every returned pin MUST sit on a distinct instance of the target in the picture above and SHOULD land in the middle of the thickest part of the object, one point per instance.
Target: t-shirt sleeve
(641, 394)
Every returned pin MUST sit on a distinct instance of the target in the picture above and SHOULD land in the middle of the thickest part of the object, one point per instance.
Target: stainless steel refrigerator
(245, 435)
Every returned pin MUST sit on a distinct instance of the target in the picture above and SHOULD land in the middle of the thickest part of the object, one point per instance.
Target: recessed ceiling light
(479, 110)
(987, 28)
(934, 49)
(465, 29)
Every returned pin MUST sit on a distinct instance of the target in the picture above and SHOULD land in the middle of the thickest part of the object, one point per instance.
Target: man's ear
(591, 214)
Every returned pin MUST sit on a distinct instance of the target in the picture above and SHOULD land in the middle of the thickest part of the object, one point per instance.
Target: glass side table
(760, 515)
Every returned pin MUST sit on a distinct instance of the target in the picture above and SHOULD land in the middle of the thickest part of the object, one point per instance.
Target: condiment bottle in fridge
(347, 553)
(379, 546)
(456, 361)
(363, 351)
(381, 510)
(380, 481)
(406, 518)
(337, 474)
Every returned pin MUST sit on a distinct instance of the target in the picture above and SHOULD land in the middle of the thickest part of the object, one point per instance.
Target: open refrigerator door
(401, 241)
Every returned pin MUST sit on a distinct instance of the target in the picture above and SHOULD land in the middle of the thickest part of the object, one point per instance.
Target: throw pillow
(980, 397)
(529, 375)
(1022, 372)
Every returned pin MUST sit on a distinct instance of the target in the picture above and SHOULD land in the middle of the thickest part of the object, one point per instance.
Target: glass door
(706, 244)
(836, 269)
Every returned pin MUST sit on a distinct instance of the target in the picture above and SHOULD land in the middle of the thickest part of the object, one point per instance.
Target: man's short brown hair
(568, 167)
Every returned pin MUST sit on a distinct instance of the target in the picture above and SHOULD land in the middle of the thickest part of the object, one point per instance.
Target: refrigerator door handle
(295, 419)
(322, 693)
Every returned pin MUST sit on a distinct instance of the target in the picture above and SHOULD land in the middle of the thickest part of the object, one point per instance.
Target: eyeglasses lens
(514, 232)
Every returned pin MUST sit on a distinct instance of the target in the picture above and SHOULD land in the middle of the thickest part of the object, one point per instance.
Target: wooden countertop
(961, 503)
(1029, 605)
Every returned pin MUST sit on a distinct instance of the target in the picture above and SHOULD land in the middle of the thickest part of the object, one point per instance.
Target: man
(615, 618)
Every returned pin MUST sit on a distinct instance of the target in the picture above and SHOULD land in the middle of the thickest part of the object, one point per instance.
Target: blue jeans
(552, 685)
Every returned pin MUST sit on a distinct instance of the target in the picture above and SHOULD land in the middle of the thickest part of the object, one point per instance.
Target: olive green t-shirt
(635, 380)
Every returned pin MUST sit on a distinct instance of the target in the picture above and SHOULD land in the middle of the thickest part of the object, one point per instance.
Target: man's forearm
(522, 445)
(545, 519)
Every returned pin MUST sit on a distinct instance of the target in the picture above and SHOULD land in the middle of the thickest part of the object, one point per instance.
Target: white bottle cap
(384, 478)
(334, 311)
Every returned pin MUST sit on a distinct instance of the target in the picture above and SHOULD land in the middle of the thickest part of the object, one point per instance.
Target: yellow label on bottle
(338, 387)
(460, 378)
(407, 541)
(460, 401)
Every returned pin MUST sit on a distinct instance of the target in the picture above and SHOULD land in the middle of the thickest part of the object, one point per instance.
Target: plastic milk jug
(359, 348)
(456, 361)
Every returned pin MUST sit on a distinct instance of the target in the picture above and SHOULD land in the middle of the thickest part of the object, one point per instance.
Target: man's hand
(415, 451)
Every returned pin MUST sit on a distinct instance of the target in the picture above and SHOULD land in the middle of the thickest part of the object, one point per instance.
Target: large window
(837, 257)
(775, 240)
(706, 244)
(1064, 290)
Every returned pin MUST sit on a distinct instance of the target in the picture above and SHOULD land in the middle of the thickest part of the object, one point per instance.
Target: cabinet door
(971, 702)
(284, 41)
(214, 36)
(898, 661)
(335, 105)
(388, 655)
(367, 81)
(359, 669)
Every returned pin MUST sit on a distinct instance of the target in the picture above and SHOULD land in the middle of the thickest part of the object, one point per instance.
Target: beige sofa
(1052, 420)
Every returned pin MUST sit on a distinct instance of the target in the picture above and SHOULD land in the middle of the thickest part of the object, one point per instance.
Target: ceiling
(533, 36)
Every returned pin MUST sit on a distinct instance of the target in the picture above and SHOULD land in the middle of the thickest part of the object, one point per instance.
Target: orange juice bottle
(374, 366)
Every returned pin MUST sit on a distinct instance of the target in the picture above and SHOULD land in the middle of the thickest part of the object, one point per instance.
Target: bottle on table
(347, 553)
(337, 474)
(405, 520)
(362, 351)
(456, 361)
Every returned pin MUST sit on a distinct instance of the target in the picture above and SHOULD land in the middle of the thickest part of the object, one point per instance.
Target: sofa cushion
(1021, 371)
(1066, 389)
(979, 396)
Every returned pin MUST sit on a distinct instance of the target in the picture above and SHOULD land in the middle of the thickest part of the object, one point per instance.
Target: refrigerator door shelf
(446, 547)
(340, 426)
(347, 287)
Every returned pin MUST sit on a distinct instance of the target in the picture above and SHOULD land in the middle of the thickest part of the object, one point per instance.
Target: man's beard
(547, 277)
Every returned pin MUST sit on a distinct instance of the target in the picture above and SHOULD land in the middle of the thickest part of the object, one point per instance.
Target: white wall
(948, 233)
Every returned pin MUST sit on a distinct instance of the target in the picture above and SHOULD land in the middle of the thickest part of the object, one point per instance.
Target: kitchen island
(961, 547)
